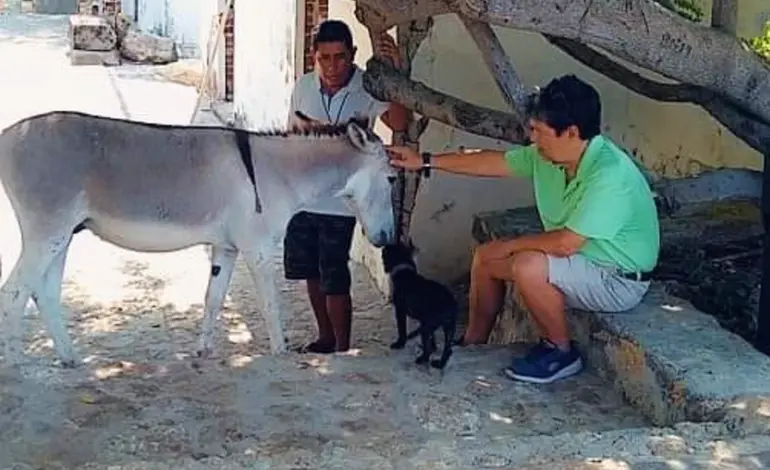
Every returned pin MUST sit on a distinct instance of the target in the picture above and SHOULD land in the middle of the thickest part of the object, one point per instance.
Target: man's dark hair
(568, 101)
(333, 31)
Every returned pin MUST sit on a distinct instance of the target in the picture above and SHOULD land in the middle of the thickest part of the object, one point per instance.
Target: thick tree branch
(756, 134)
(638, 30)
(508, 82)
(387, 84)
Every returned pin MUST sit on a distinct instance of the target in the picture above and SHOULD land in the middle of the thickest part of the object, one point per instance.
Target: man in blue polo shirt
(601, 237)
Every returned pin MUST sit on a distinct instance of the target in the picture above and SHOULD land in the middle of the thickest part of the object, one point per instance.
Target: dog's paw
(398, 344)
(422, 359)
(437, 364)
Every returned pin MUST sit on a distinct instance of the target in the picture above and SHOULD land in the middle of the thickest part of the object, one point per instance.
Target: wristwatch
(426, 166)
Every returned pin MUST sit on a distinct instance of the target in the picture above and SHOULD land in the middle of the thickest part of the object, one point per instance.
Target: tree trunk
(640, 31)
(724, 15)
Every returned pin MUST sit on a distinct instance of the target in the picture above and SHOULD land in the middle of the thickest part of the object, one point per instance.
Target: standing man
(601, 237)
(318, 238)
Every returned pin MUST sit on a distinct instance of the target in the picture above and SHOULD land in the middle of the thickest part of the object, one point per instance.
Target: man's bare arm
(490, 163)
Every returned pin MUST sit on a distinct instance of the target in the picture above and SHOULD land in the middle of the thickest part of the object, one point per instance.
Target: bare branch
(756, 134)
(387, 84)
(640, 31)
(508, 82)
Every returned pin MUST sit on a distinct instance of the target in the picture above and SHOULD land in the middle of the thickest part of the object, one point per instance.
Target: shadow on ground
(141, 398)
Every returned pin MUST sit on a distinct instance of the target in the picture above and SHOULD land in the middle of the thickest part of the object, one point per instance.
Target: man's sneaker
(545, 363)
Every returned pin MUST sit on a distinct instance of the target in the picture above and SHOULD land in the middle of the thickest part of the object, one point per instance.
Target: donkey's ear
(357, 135)
(362, 122)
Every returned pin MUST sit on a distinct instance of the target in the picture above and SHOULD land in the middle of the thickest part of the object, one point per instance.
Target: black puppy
(424, 300)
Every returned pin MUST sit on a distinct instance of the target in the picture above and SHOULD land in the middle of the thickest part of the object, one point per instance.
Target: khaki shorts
(589, 286)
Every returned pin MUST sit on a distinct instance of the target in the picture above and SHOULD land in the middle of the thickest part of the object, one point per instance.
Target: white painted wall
(181, 20)
(265, 35)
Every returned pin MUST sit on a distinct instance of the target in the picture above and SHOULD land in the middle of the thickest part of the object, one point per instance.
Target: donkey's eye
(391, 179)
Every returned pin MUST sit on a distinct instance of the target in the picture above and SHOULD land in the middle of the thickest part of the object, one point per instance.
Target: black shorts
(317, 246)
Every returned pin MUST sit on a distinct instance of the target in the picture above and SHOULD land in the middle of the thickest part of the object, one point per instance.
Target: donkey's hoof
(71, 362)
(203, 353)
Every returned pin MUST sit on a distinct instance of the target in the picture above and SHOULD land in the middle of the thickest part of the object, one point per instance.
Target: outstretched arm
(489, 163)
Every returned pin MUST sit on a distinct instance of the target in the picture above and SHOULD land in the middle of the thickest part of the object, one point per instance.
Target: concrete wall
(265, 35)
(673, 139)
(178, 19)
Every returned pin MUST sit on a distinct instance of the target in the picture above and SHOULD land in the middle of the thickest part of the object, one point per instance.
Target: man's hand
(404, 157)
(303, 121)
(496, 249)
(386, 48)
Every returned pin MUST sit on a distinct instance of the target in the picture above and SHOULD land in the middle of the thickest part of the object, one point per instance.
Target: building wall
(264, 73)
(177, 19)
(672, 139)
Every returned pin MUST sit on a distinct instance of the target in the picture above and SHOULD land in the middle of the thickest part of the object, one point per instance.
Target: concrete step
(671, 361)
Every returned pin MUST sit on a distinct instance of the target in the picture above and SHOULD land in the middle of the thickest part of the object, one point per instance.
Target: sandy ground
(140, 401)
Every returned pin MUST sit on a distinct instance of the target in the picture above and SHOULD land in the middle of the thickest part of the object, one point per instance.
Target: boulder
(91, 33)
(78, 57)
(122, 23)
(148, 48)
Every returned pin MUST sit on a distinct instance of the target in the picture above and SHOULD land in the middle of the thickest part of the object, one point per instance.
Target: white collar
(401, 267)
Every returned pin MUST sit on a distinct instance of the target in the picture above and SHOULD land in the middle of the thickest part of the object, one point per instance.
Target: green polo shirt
(608, 201)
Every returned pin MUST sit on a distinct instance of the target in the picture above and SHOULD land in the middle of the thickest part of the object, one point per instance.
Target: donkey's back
(121, 178)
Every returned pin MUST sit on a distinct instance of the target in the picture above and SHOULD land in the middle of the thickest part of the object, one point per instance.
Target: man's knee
(530, 266)
(335, 278)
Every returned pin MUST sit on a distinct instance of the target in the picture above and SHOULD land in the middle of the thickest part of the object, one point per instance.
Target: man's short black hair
(333, 31)
(568, 101)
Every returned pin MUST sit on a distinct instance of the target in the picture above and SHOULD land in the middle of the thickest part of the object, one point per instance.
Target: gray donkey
(158, 188)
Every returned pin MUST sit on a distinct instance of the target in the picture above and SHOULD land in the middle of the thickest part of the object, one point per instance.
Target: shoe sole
(564, 373)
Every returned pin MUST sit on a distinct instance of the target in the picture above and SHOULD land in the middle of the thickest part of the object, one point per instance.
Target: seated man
(601, 236)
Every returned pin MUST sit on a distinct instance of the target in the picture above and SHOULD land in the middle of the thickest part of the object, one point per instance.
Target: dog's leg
(399, 309)
(414, 333)
(426, 349)
(449, 331)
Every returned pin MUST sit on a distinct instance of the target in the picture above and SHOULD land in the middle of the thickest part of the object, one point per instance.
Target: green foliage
(761, 43)
(689, 9)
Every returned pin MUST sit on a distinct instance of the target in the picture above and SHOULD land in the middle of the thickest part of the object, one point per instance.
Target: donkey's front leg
(222, 264)
(263, 267)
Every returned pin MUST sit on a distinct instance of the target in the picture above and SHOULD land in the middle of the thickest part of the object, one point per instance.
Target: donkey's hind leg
(25, 278)
(222, 264)
(48, 300)
(265, 275)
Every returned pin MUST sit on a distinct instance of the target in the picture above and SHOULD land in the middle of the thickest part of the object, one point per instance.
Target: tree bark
(508, 82)
(753, 132)
(724, 15)
(387, 84)
(640, 31)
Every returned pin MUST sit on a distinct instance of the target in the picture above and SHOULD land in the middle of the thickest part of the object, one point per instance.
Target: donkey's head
(368, 187)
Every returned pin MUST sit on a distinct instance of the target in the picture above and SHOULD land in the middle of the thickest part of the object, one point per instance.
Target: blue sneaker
(545, 363)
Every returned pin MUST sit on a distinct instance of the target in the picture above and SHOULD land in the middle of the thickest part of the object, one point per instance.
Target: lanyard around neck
(327, 107)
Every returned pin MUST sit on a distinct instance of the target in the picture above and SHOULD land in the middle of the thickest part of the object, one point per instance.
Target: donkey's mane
(327, 130)
(314, 131)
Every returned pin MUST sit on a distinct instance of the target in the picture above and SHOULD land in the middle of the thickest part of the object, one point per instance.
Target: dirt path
(141, 402)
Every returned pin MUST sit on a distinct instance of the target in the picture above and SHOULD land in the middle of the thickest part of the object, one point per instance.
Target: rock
(78, 57)
(145, 47)
(91, 33)
(122, 24)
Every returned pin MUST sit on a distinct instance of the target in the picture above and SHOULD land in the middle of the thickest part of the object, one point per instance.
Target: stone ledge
(671, 361)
